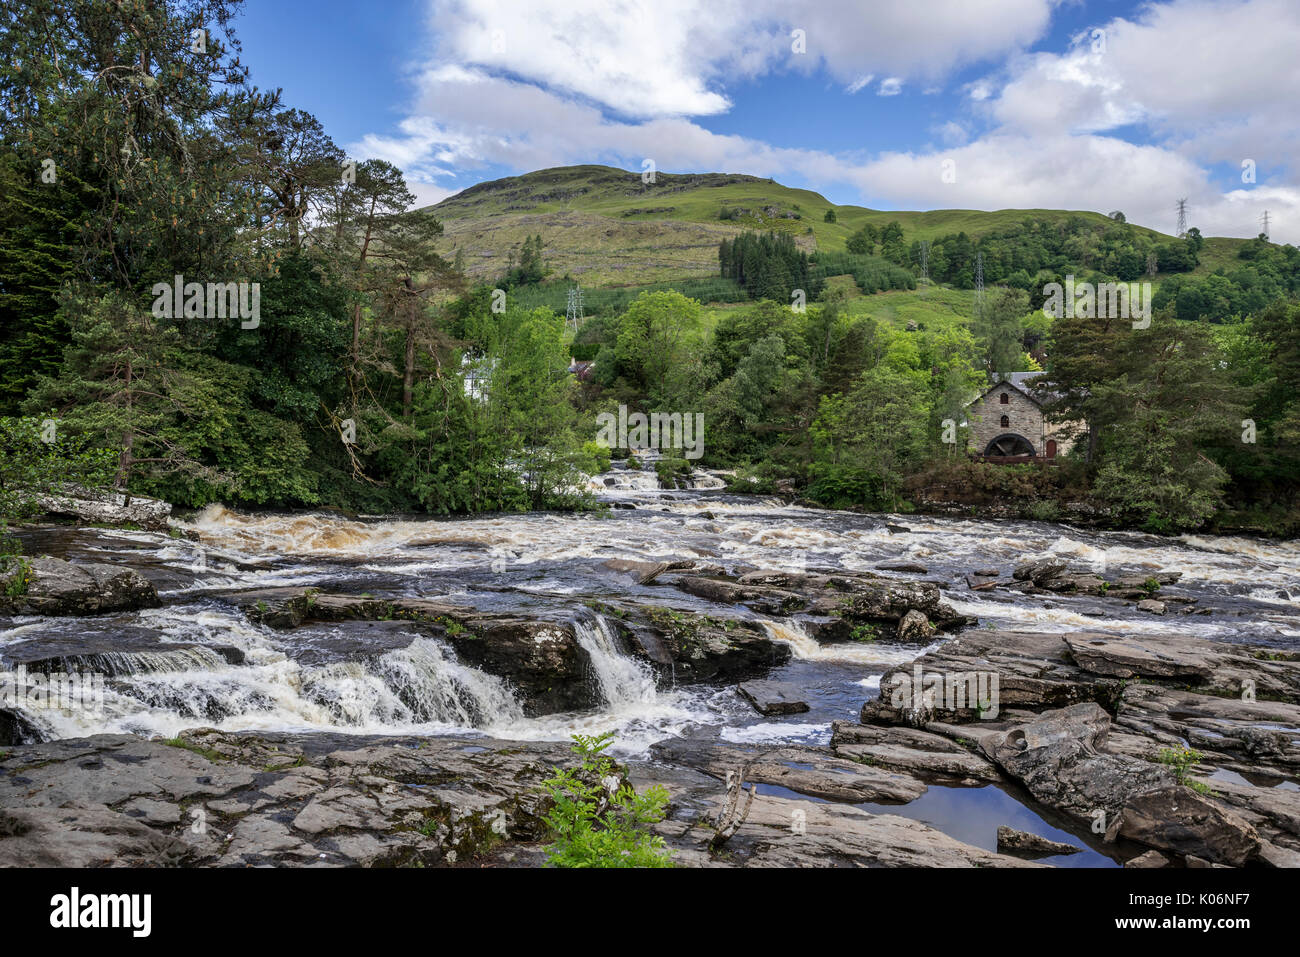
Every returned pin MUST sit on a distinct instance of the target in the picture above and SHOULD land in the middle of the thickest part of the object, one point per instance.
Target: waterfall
(624, 682)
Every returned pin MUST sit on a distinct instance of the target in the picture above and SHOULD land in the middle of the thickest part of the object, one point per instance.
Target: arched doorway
(1010, 444)
(1051, 448)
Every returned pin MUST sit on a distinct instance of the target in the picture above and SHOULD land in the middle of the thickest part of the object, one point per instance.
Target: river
(167, 669)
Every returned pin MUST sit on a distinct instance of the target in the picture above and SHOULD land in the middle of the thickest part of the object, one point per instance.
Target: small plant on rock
(597, 819)
(1183, 761)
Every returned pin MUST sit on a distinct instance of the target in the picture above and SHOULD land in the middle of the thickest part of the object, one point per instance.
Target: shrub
(598, 818)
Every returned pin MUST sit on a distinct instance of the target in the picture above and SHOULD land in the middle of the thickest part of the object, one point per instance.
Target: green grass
(606, 228)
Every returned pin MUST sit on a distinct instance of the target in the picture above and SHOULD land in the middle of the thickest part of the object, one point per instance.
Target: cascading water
(199, 660)
(625, 683)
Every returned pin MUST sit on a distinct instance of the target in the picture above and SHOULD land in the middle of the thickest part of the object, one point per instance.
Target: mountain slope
(604, 227)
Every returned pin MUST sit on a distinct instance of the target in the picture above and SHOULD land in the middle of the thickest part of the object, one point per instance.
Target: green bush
(671, 470)
(598, 818)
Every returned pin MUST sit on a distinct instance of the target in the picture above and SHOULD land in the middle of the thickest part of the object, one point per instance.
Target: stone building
(1007, 421)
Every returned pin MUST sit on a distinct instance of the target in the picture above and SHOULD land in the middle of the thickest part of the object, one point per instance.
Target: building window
(1006, 421)
(1004, 399)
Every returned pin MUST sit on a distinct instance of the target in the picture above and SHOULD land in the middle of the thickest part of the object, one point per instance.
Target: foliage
(597, 818)
(38, 456)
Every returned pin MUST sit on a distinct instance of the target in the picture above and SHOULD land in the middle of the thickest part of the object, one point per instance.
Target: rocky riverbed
(813, 688)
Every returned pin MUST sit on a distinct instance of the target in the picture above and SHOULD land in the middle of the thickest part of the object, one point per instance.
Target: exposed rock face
(109, 508)
(57, 587)
(772, 697)
(232, 800)
(1057, 757)
(1148, 657)
(1086, 721)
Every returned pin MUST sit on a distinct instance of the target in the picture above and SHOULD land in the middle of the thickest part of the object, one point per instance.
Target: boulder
(1058, 756)
(58, 587)
(915, 628)
(772, 697)
(1040, 570)
(1176, 818)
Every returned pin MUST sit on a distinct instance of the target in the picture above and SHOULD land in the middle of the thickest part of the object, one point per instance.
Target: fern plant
(598, 820)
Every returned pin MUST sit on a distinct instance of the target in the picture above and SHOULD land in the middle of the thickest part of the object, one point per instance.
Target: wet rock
(706, 648)
(1024, 844)
(15, 728)
(910, 567)
(772, 697)
(542, 660)
(1152, 606)
(58, 587)
(1177, 819)
(1040, 570)
(915, 628)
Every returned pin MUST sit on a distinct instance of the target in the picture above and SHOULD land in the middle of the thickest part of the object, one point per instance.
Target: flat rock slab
(911, 751)
(1146, 656)
(772, 697)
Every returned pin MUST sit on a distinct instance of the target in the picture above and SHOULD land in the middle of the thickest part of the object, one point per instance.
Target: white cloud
(859, 83)
(617, 83)
(648, 58)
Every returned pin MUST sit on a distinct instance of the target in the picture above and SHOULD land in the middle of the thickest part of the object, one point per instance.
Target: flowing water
(199, 661)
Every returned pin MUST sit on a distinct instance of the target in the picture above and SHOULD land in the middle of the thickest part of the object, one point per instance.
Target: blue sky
(899, 104)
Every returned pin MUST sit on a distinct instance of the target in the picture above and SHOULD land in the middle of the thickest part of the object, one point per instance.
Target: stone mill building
(1007, 422)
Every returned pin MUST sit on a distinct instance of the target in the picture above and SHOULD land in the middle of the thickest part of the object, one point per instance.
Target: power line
(1182, 218)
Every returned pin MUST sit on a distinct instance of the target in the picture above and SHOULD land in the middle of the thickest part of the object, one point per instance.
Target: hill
(604, 227)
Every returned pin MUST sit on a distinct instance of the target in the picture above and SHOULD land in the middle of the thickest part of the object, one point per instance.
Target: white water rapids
(327, 678)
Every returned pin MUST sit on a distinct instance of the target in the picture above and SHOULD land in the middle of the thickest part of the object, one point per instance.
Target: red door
(1051, 448)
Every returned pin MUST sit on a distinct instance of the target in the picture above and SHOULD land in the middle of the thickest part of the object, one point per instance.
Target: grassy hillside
(604, 227)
